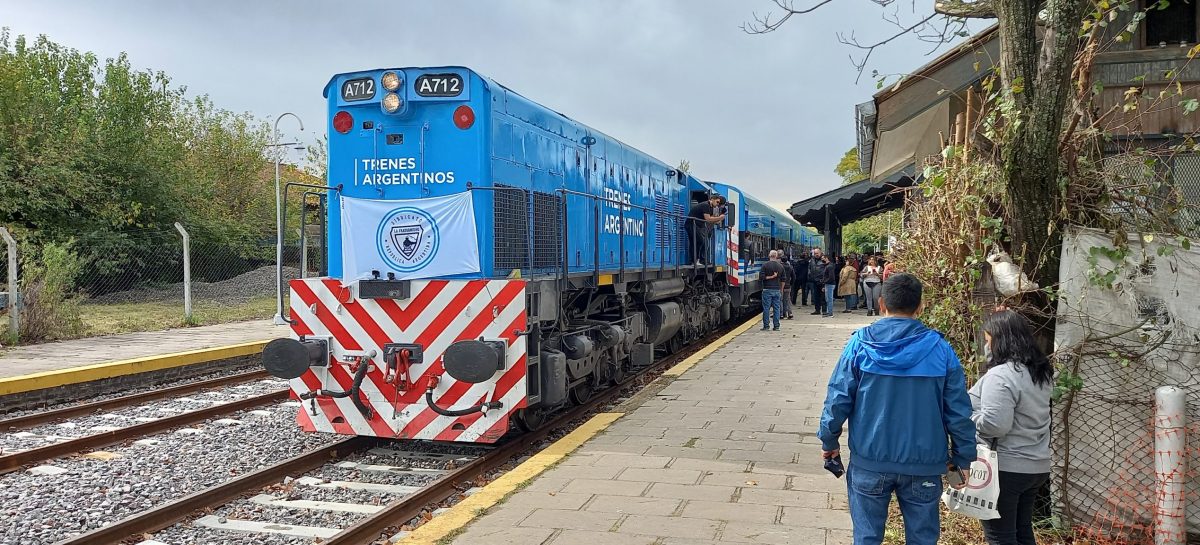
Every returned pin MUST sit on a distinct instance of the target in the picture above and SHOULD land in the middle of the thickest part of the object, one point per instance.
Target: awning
(853, 202)
(907, 145)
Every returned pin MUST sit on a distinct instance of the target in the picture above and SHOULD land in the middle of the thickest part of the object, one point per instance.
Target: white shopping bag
(978, 498)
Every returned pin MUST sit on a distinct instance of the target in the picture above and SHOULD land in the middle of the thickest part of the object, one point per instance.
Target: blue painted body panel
(518, 143)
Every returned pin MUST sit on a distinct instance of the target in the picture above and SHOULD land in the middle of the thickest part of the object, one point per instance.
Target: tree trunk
(1040, 90)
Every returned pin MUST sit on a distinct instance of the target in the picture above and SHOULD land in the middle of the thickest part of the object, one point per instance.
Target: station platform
(723, 452)
(49, 365)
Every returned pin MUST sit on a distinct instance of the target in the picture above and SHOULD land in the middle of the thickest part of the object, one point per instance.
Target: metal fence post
(14, 294)
(187, 272)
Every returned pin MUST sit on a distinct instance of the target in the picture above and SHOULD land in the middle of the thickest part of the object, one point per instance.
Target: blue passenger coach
(491, 260)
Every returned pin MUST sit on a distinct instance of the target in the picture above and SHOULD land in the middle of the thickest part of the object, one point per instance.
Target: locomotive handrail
(283, 314)
(620, 205)
(304, 235)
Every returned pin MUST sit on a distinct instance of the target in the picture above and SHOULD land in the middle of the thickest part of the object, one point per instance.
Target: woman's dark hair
(1012, 341)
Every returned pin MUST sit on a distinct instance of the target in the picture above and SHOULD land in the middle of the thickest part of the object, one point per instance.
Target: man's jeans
(772, 302)
(829, 289)
(870, 494)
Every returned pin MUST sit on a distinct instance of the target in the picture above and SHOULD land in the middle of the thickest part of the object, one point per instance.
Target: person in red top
(889, 269)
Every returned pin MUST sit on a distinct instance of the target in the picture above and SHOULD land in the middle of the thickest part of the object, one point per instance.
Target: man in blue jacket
(903, 390)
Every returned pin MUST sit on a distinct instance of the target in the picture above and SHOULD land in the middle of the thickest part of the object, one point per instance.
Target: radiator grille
(547, 230)
(669, 235)
(510, 233)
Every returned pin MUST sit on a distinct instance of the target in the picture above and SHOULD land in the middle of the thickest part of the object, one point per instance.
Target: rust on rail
(64, 413)
(16, 460)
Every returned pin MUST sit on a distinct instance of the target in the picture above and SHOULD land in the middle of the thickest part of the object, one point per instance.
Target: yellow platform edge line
(682, 367)
(97, 371)
(463, 512)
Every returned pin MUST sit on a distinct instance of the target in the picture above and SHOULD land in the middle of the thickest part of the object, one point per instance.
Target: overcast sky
(677, 79)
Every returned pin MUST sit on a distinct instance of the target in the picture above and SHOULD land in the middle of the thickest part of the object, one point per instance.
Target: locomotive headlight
(391, 103)
(390, 81)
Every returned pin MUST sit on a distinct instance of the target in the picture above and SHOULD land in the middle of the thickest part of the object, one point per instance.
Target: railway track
(14, 460)
(55, 415)
(379, 521)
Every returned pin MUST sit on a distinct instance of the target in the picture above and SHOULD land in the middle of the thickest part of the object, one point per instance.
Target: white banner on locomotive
(417, 238)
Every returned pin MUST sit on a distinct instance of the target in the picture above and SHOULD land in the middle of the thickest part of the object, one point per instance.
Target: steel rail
(15, 460)
(370, 529)
(180, 509)
(31, 420)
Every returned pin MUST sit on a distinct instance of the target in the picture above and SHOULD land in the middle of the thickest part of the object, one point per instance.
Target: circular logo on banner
(408, 239)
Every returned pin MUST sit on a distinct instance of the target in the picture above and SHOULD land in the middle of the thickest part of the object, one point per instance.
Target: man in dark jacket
(829, 282)
(800, 270)
(789, 279)
(903, 391)
(816, 281)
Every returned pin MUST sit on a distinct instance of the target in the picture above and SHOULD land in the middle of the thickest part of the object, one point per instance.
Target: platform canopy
(829, 211)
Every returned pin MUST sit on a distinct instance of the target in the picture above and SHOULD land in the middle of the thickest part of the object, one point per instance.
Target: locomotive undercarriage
(592, 337)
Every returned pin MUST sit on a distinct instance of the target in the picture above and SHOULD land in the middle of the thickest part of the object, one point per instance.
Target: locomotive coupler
(399, 357)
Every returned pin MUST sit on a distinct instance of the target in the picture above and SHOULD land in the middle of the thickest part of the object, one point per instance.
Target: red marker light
(464, 117)
(343, 122)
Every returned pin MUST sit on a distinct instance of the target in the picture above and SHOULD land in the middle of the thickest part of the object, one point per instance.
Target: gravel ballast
(40, 509)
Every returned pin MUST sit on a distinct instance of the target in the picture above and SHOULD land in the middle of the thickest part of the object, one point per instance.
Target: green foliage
(1067, 382)
(49, 311)
(865, 235)
(849, 168)
(1101, 276)
(100, 152)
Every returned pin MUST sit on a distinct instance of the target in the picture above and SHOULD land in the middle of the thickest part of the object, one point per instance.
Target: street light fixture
(279, 223)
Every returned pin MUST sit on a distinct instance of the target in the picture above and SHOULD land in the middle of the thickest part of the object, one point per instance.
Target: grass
(155, 316)
(130, 317)
(118, 318)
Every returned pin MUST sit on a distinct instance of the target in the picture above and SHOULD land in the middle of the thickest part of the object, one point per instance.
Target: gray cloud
(675, 78)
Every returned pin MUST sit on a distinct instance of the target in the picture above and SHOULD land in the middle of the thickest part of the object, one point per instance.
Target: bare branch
(765, 23)
(979, 9)
(861, 64)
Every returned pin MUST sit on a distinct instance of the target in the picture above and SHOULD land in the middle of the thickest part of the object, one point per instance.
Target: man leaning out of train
(903, 391)
(1011, 405)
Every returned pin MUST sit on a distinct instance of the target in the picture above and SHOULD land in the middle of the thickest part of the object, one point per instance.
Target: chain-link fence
(1120, 338)
(134, 281)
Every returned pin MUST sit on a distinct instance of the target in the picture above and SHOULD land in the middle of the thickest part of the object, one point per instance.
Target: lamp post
(279, 224)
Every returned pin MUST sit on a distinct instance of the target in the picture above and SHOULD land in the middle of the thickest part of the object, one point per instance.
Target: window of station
(1174, 24)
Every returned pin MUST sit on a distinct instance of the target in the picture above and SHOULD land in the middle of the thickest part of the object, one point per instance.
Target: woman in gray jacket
(1011, 405)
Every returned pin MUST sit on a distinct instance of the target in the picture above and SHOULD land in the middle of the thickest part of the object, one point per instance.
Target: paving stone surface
(725, 454)
(23, 360)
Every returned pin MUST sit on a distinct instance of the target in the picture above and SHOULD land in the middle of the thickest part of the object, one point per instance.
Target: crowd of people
(856, 279)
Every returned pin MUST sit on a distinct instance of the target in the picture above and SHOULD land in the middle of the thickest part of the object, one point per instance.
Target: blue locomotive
(491, 260)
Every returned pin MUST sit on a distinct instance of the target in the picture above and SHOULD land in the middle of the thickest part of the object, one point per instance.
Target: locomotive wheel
(530, 419)
(675, 344)
(580, 394)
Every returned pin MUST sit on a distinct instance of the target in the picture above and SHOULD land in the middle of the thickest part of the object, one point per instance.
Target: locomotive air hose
(459, 412)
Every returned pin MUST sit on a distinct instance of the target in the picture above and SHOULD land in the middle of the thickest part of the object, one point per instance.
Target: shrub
(50, 310)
